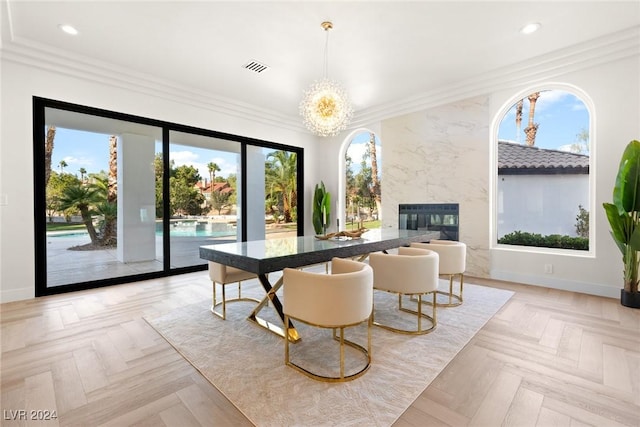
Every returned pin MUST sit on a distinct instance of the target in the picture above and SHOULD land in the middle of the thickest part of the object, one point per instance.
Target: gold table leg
(271, 296)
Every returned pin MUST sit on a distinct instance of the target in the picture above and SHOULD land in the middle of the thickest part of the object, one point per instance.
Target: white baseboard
(16, 294)
(555, 283)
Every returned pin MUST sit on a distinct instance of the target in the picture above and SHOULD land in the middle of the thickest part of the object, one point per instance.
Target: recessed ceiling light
(530, 28)
(68, 29)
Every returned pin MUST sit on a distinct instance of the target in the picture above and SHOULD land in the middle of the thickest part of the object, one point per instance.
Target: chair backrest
(453, 254)
(411, 271)
(344, 297)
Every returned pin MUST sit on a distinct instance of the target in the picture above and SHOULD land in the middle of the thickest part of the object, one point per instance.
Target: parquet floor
(548, 358)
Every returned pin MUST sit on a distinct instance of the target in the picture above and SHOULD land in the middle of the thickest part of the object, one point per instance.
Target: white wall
(548, 206)
(439, 154)
(19, 82)
(445, 154)
(614, 89)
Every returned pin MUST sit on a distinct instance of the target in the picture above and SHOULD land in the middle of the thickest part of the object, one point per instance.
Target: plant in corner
(624, 218)
(321, 208)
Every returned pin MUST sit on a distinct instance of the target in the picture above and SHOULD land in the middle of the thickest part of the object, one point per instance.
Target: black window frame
(40, 104)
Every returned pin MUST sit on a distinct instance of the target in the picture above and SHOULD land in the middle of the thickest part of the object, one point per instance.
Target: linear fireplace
(442, 217)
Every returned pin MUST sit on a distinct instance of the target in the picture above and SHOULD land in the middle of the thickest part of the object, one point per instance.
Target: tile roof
(514, 158)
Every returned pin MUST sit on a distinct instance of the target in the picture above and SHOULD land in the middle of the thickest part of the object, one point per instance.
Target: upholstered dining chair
(338, 300)
(224, 275)
(411, 272)
(453, 262)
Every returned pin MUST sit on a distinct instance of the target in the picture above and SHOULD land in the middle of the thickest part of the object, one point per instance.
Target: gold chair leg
(342, 343)
(223, 303)
(454, 299)
(417, 312)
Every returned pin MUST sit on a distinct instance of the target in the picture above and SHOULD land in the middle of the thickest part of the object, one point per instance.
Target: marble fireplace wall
(441, 155)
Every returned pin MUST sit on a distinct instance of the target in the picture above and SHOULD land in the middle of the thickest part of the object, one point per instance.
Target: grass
(366, 224)
(64, 226)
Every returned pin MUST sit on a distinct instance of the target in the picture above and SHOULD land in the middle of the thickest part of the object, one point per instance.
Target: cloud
(183, 157)
(189, 158)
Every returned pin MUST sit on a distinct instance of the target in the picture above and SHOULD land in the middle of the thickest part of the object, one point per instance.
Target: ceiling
(381, 52)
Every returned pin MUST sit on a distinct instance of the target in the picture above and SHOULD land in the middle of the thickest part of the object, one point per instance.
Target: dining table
(262, 257)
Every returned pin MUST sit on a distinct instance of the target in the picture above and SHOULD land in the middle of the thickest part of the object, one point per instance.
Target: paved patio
(66, 266)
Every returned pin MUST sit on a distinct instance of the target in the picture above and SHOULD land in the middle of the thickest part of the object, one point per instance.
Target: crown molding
(25, 52)
(610, 48)
(595, 52)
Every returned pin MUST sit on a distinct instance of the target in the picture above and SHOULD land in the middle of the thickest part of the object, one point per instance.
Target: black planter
(630, 299)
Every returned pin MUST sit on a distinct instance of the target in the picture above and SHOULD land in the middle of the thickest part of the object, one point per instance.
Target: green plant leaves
(321, 208)
(626, 191)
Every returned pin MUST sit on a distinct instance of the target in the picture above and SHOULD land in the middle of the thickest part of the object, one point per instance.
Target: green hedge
(523, 238)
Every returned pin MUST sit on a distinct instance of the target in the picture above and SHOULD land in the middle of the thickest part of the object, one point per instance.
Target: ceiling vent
(255, 66)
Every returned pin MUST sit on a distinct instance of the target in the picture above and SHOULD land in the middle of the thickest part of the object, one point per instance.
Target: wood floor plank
(548, 357)
(524, 409)
(496, 403)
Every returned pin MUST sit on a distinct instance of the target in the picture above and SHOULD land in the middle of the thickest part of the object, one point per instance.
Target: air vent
(255, 66)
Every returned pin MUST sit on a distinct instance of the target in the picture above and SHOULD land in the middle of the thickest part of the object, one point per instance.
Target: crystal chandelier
(325, 108)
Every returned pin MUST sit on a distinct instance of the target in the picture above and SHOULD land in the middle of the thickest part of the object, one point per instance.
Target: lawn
(64, 226)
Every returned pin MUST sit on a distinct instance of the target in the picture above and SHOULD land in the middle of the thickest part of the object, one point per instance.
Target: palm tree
(531, 130)
(48, 152)
(83, 172)
(112, 194)
(83, 199)
(519, 119)
(62, 165)
(375, 183)
(108, 209)
(213, 168)
(281, 180)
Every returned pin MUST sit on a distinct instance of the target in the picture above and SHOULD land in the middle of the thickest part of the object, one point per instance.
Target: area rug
(246, 362)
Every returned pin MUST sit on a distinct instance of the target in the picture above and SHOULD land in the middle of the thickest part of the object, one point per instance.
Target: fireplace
(442, 217)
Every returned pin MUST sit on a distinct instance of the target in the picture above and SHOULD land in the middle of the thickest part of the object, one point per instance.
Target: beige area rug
(246, 362)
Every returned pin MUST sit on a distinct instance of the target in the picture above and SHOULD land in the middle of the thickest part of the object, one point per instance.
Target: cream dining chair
(412, 272)
(224, 275)
(453, 262)
(338, 300)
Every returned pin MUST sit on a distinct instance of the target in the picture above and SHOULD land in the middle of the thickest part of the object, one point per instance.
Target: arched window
(543, 181)
(362, 179)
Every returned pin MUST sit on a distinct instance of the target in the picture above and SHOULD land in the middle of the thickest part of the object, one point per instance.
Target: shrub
(523, 238)
(582, 222)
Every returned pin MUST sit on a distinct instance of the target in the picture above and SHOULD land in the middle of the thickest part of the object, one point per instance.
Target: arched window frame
(342, 185)
(495, 125)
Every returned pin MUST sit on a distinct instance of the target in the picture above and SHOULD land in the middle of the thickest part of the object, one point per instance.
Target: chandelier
(325, 107)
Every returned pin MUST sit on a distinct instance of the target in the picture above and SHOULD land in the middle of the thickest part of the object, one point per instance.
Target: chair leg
(286, 340)
(215, 303)
(454, 299)
(418, 312)
(342, 352)
(224, 300)
(342, 342)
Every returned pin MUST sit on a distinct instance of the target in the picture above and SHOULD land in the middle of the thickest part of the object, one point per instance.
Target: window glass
(100, 199)
(203, 194)
(363, 201)
(543, 172)
(119, 198)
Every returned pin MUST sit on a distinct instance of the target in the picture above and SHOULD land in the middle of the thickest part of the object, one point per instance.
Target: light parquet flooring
(548, 358)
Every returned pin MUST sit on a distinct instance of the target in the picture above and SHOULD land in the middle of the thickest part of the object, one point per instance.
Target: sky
(90, 151)
(561, 117)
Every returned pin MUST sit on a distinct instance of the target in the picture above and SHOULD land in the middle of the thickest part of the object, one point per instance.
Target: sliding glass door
(204, 194)
(99, 198)
(119, 198)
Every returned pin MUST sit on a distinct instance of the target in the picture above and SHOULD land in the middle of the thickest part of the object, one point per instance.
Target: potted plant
(321, 208)
(624, 218)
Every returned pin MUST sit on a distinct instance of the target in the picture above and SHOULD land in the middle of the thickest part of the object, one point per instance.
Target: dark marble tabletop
(265, 256)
